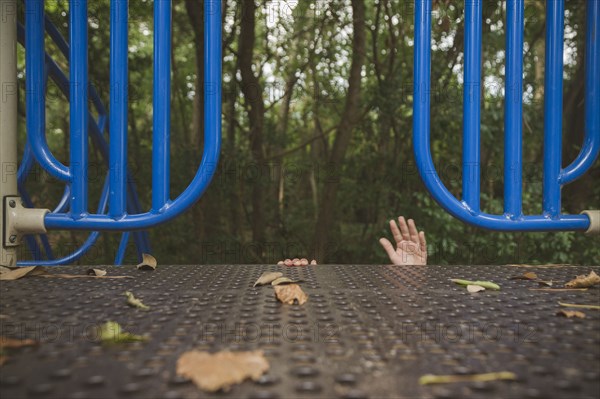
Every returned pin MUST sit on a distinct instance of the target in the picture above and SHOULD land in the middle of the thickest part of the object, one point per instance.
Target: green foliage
(310, 45)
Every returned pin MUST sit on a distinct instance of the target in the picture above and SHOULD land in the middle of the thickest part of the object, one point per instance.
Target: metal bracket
(19, 221)
(594, 216)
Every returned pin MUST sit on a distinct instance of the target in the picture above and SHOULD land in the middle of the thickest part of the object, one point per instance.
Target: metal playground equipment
(119, 209)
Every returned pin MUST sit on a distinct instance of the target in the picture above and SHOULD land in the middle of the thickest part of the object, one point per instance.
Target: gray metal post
(8, 120)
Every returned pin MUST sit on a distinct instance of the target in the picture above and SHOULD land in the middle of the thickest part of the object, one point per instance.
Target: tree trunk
(349, 120)
(252, 91)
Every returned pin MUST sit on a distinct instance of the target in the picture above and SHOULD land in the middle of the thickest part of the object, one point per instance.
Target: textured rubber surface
(366, 331)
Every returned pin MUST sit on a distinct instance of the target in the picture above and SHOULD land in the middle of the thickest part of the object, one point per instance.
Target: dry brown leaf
(475, 288)
(148, 262)
(584, 281)
(571, 313)
(69, 276)
(3, 360)
(17, 273)
(283, 280)
(214, 371)
(289, 293)
(6, 342)
(525, 276)
(96, 272)
(267, 277)
(447, 379)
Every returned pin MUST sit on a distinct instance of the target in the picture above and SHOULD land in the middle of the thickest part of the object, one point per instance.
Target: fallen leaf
(70, 276)
(574, 305)
(17, 273)
(549, 283)
(571, 313)
(4, 269)
(96, 272)
(15, 343)
(525, 276)
(444, 379)
(283, 280)
(133, 301)
(475, 288)
(557, 289)
(148, 262)
(3, 359)
(485, 284)
(112, 333)
(267, 277)
(289, 293)
(221, 370)
(584, 281)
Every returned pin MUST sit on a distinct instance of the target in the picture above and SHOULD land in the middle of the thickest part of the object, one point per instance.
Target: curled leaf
(221, 370)
(525, 276)
(19, 272)
(445, 379)
(112, 333)
(485, 284)
(575, 305)
(289, 293)
(148, 263)
(543, 283)
(283, 280)
(96, 272)
(571, 313)
(475, 288)
(134, 302)
(267, 277)
(584, 281)
(6, 342)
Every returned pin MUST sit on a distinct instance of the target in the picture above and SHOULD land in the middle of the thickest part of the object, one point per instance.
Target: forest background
(317, 131)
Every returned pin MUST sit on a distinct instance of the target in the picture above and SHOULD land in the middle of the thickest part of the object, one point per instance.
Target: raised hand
(411, 247)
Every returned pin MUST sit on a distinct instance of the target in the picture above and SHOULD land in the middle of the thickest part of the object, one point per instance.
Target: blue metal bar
(161, 104)
(513, 110)
(591, 142)
(553, 102)
(472, 105)
(122, 249)
(421, 128)
(118, 107)
(78, 72)
(87, 244)
(35, 87)
(212, 146)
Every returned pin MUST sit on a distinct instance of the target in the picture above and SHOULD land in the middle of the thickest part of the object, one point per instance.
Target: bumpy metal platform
(365, 332)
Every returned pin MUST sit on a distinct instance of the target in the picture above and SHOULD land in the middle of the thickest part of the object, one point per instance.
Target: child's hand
(296, 262)
(411, 247)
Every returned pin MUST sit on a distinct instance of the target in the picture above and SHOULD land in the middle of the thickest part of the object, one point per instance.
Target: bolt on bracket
(19, 221)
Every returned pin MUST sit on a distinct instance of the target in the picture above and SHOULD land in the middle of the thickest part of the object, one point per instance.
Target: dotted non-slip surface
(365, 332)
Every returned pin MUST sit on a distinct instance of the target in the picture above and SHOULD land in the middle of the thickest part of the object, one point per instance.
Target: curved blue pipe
(212, 144)
(591, 142)
(421, 128)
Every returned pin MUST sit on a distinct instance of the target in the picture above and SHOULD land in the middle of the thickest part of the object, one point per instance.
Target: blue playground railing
(97, 128)
(468, 209)
(122, 213)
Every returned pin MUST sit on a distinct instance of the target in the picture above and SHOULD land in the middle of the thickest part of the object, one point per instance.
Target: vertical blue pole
(118, 107)
(513, 109)
(78, 71)
(472, 105)
(161, 104)
(553, 102)
(592, 72)
(421, 90)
